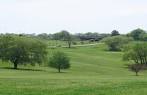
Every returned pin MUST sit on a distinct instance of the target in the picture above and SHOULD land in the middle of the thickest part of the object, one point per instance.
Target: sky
(75, 16)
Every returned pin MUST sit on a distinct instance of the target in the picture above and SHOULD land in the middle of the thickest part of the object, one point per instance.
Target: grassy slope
(93, 72)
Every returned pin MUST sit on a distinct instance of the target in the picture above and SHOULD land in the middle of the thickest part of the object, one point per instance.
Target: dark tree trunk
(59, 70)
(136, 73)
(69, 44)
(15, 65)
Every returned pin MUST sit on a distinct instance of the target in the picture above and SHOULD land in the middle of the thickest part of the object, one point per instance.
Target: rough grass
(94, 71)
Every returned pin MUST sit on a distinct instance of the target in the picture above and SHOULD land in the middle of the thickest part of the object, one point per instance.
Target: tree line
(25, 49)
(133, 45)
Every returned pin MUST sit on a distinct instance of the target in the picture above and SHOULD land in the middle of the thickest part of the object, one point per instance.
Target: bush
(115, 43)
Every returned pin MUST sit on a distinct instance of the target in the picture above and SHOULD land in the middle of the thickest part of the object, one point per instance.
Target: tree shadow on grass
(22, 69)
(29, 69)
(60, 72)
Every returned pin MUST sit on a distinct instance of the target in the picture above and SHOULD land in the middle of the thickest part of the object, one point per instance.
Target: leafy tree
(21, 50)
(66, 36)
(136, 52)
(59, 60)
(136, 34)
(115, 43)
(115, 33)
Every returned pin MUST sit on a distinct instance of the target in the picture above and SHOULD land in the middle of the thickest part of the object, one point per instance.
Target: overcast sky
(50, 16)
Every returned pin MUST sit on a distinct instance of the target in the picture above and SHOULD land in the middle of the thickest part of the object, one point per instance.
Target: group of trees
(30, 49)
(72, 38)
(116, 41)
(78, 36)
(20, 50)
(136, 51)
(91, 36)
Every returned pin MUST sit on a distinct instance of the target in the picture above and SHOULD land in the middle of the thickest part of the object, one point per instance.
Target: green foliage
(59, 60)
(115, 43)
(44, 36)
(136, 52)
(91, 36)
(21, 50)
(143, 37)
(136, 34)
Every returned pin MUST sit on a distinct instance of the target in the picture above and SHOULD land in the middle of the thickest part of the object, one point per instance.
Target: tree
(136, 34)
(136, 68)
(115, 33)
(115, 43)
(22, 50)
(66, 36)
(136, 52)
(59, 60)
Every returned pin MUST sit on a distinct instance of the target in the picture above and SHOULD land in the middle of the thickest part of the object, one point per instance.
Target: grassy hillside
(93, 71)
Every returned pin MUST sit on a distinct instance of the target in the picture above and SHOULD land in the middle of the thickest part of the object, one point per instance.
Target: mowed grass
(93, 71)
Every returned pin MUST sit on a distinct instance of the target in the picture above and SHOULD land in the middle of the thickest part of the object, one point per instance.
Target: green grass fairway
(93, 71)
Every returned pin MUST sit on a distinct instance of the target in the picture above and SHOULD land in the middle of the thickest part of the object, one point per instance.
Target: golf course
(73, 47)
(94, 71)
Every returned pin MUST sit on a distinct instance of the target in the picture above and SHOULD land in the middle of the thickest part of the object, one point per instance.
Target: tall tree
(66, 36)
(22, 50)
